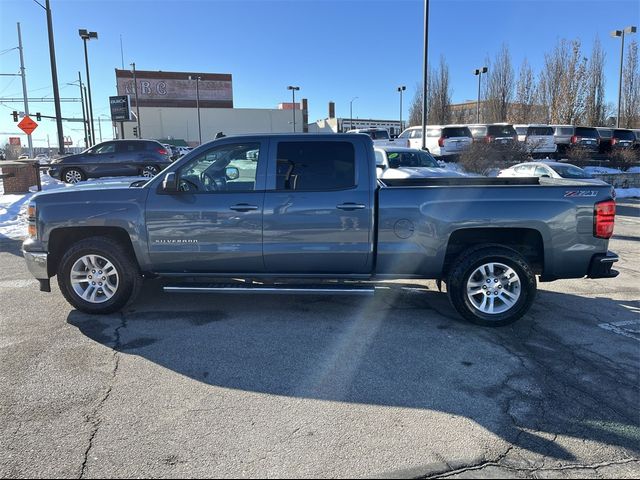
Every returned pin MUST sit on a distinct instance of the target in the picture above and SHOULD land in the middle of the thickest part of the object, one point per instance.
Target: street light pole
(86, 35)
(293, 92)
(425, 67)
(401, 89)
(351, 113)
(135, 89)
(197, 79)
(479, 72)
(620, 33)
(84, 116)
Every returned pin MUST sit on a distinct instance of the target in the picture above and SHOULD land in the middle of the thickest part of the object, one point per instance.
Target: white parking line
(626, 328)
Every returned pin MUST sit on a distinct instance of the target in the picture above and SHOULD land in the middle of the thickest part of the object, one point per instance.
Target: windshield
(378, 134)
(416, 158)
(570, 171)
(586, 132)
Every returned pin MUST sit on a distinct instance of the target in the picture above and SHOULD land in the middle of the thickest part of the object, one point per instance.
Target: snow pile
(633, 170)
(596, 170)
(627, 192)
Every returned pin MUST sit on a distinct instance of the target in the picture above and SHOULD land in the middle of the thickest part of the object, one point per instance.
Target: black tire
(464, 267)
(129, 277)
(149, 171)
(73, 175)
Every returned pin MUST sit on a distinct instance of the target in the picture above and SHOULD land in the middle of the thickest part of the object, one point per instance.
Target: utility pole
(86, 35)
(620, 33)
(135, 87)
(84, 115)
(24, 88)
(54, 78)
(424, 74)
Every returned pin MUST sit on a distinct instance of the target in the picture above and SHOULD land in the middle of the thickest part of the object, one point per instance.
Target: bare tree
(439, 101)
(594, 111)
(550, 82)
(415, 109)
(526, 95)
(631, 89)
(499, 87)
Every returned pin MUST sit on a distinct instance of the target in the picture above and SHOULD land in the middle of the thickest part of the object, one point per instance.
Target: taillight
(604, 215)
(32, 229)
(441, 142)
(488, 138)
(162, 151)
(575, 139)
(614, 141)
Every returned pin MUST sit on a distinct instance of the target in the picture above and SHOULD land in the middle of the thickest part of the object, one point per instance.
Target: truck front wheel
(98, 275)
(491, 286)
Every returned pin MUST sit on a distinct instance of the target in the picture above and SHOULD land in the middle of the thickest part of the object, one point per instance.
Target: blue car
(113, 158)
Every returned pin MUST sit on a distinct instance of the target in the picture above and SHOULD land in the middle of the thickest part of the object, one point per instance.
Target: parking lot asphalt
(272, 386)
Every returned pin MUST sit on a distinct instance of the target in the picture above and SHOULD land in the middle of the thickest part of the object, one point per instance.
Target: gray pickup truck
(306, 214)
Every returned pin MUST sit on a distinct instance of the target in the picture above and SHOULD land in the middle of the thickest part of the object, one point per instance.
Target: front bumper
(600, 266)
(38, 266)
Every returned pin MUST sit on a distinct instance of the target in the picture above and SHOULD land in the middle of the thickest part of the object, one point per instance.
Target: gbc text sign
(120, 108)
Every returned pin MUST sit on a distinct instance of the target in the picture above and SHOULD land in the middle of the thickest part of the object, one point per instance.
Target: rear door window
(565, 131)
(315, 166)
(478, 131)
(128, 147)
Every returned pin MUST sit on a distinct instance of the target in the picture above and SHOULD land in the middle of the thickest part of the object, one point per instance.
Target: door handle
(243, 207)
(351, 206)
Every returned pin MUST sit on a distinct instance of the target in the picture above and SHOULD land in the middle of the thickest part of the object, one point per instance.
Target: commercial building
(333, 124)
(168, 107)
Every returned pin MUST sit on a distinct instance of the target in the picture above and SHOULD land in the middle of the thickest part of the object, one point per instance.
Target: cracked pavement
(306, 386)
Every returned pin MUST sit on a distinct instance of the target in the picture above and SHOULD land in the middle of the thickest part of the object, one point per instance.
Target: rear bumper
(600, 266)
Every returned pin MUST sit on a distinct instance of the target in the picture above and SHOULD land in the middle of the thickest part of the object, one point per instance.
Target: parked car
(441, 141)
(567, 137)
(183, 151)
(400, 162)
(636, 132)
(499, 134)
(623, 139)
(42, 158)
(549, 170)
(172, 150)
(380, 136)
(112, 158)
(24, 156)
(605, 134)
(538, 139)
(311, 208)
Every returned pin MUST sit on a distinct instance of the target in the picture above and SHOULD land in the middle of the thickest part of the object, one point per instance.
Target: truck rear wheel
(491, 286)
(98, 275)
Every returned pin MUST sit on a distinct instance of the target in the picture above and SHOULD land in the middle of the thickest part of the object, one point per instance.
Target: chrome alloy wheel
(94, 278)
(72, 176)
(493, 288)
(149, 171)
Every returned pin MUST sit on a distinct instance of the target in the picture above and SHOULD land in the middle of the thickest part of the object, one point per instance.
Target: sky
(333, 50)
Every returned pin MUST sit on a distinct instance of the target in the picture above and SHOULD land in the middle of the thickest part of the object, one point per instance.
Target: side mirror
(545, 176)
(170, 183)
(232, 173)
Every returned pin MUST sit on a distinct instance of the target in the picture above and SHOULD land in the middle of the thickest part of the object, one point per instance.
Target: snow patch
(627, 192)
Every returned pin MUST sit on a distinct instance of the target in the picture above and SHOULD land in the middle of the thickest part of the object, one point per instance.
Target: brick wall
(22, 177)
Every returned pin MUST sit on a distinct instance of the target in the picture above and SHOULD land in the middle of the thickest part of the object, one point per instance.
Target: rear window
(521, 130)
(564, 131)
(478, 131)
(379, 134)
(570, 171)
(540, 131)
(501, 130)
(605, 133)
(586, 132)
(455, 132)
(624, 134)
(315, 166)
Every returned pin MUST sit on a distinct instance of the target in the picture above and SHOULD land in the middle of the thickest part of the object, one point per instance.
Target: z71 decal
(581, 193)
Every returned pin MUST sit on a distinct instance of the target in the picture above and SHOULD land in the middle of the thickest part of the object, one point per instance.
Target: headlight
(32, 213)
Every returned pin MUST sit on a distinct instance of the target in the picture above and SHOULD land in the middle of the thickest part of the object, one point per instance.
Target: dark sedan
(110, 159)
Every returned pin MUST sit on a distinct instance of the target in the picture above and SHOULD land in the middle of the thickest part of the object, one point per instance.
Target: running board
(271, 289)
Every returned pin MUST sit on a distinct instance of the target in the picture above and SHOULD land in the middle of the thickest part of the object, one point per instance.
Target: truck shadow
(10, 245)
(405, 347)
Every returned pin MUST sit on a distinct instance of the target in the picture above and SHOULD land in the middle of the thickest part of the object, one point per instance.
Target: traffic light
(38, 117)
(135, 132)
(15, 116)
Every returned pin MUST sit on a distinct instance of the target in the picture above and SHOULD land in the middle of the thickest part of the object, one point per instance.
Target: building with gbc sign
(168, 101)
